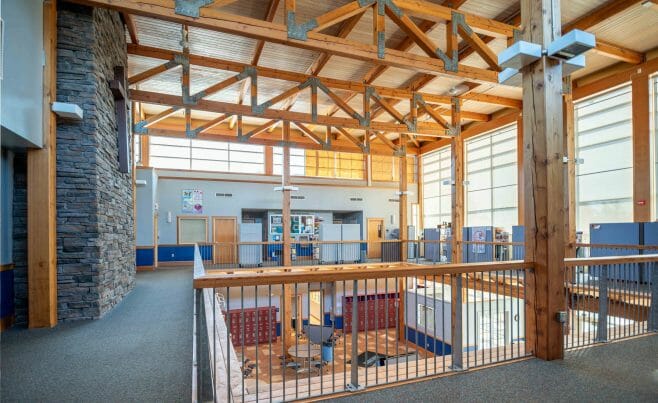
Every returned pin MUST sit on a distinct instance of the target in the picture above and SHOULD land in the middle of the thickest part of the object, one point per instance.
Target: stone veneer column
(95, 223)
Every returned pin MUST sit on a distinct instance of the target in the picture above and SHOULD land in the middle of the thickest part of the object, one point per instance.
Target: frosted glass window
(137, 149)
(492, 175)
(604, 182)
(204, 155)
(437, 199)
(192, 230)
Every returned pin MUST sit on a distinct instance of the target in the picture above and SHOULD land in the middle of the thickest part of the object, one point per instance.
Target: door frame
(368, 231)
(235, 233)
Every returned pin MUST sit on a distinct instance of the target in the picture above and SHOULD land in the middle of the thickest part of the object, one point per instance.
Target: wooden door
(375, 233)
(225, 237)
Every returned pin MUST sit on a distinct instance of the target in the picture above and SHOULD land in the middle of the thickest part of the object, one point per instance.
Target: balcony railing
(609, 298)
(279, 334)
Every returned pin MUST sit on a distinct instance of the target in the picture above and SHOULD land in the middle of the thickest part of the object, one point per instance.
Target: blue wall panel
(6, 293)
(181, 253)
(144, 257)
(429, 343)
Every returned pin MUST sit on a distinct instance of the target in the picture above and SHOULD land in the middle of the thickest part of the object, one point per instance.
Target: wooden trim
(269, 160)
(597, 261)
(312, 274)
(457, 177)
(520, 182)
(641, 104)
(189, 217)
(145, 268)
(6, 267)
(41, 193)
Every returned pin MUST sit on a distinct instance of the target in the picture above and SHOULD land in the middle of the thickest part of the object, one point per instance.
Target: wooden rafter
(152, 72)
(259, 129)
(338, 15)
(131, 27)
(310, 134)
(385, 140)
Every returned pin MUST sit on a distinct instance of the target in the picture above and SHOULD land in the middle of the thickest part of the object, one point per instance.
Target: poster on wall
(192, 201)
(479, 236)
(276, 224)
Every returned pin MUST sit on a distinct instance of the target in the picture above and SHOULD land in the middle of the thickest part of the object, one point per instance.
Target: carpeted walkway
(625, 371)
(140, 351)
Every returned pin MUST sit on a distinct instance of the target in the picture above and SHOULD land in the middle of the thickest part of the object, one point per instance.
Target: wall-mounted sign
(192, 201)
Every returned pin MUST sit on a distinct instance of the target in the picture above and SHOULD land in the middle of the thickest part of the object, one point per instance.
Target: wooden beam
(544, 190)
(213, 19)
(338, 15)
(385, 140)
(414, 32)
(130, 26)
(457, 178)
(309, 133)
(617, 52)
(41, 193)
(641, 101)
(404, 199)
(145, 152)
(269, 16)
(493, 100)
(152, 72)
(269, 160)
(480, 47)
(613, 80)
(285, 182)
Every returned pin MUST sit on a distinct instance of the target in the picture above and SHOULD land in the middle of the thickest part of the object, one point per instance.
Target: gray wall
(146, 200)
(21, 93)
(6, 208)
(249, 194)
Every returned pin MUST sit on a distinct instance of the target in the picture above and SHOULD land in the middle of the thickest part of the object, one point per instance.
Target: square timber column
(544, 182)
(457, 225)
(41, 193)
(287, 331)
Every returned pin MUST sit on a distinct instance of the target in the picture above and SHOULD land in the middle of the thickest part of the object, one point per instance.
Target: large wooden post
(641, 144)
(570, 172)
(544, 178)
(285, 253)
(41, 193)
(457, 218)
(403, 198)
(457, 175)
(403, 232)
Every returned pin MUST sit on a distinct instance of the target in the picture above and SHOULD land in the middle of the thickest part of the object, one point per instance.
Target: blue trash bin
(327, 352)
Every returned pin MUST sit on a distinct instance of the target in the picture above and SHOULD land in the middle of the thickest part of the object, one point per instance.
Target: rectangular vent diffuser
(356, 199)
(298, 197)
(224, 194)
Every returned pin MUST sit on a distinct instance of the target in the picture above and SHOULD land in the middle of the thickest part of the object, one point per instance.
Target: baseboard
(6, 322)
(145, 268)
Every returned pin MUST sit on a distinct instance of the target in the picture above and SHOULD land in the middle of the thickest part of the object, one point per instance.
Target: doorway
(375, 236)
(315, 313)
(224, 238)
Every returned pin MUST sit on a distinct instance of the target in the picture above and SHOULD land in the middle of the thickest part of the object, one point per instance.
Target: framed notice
(192, 201)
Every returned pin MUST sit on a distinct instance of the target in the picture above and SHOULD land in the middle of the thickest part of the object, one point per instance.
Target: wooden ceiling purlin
(213, 19)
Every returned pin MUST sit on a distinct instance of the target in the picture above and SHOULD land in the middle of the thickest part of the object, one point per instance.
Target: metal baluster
(354, 379)
(456, 322)
(397, 328)
(603, 305)
(426, 333)
(298, 317)
(387, 322)
(269, 329)
(308, 336)
(228, 339)
(377, 324)
(257, 336)
(443, 320)
(244, 323)
(282, 326)
(366, 318)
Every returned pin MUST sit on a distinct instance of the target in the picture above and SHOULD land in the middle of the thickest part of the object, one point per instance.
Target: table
(305, 351)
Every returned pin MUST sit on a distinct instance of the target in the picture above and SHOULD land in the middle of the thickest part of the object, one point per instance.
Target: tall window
(491, 172)
(137, 149)
(203, 155)
(387, 168)
(604, 181)
(297, 161)
(437, 189)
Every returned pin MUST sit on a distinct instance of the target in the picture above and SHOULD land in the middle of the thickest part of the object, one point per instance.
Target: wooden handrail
(313, 274)
(598, 261)
(614, 246)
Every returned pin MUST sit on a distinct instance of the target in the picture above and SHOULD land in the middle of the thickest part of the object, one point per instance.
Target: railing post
(653, 309)
(602, 331)
(354, 362)
(456, 324)
(205, 389)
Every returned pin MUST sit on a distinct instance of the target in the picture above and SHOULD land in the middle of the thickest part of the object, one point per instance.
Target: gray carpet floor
(139, 351)
(625, 371)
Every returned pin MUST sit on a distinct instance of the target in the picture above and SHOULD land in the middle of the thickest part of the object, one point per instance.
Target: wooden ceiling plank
(598, 15)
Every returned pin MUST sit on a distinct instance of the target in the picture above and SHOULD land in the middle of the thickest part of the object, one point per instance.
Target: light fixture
(519, 55)
(282, 188)
(67, 110)
(458, 89)
(509, 76)
(570, 45)
(573, 64)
